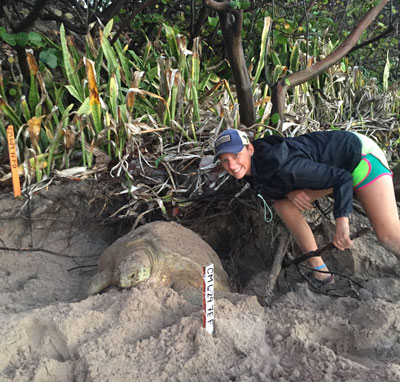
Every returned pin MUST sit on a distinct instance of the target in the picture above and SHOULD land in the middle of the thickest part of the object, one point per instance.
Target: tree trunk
(231, 26)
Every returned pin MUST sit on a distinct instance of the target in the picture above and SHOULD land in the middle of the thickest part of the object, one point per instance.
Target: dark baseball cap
(230, 141)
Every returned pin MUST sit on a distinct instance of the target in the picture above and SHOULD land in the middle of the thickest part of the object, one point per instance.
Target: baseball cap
(230, 141)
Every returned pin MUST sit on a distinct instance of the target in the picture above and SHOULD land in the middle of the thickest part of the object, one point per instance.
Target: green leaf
(113, 91)
(22, 39)
(275, 118)
(277, 73)
(72, 90)
(108, 28)
(123, 113)
(85, 107)
(233, 4)
(33, 95)
(280, 38)
(171, 37)
(294, 58)
(48, 58)
(159, 160)
(275, 58)
(8, 111)
(25, 109)
(35, 38)
(386, 73)
(110, 54)
(10, 39)
(244, 4)
(124, 62)
(287, 81)
(97, 116)
(70, 68)
(213, 21)
(261, 60)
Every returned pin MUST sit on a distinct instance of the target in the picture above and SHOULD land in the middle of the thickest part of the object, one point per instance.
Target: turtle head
(134, 268)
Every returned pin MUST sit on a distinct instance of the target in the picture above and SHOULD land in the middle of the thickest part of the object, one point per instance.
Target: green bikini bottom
(368, 171)
(373, 163)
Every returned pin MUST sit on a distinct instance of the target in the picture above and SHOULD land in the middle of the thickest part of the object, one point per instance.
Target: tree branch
(386, 32)
(204, 12)
(276, 266)
(112, 10)
(80, 29)
(223, 6)
(32, 16)
(307, 74)
(147, 3)
(323, 65)
(231, 24)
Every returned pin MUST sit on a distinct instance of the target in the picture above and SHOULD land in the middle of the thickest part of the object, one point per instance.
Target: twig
(39, 250)
(276, 266)
(29, 218)
(31, 17)
(305, 277)
(82, 266)
(287, 262)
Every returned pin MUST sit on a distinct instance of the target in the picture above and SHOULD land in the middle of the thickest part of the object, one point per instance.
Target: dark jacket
(318, 160)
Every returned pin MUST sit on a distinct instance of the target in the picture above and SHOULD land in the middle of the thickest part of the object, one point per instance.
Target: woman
(297, 171)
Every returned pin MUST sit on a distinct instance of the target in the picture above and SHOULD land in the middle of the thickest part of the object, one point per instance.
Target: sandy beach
(151, 333)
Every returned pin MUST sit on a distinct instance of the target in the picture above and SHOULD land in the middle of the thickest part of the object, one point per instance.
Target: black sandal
(319, 283)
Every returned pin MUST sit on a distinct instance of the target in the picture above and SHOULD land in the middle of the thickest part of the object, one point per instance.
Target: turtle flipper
(188, 292)
(99, 282)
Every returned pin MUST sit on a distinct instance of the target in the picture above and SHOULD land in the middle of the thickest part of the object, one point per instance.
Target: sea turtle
(164, 252)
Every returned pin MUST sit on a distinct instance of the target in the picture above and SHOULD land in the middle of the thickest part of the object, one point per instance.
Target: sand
(151, 333)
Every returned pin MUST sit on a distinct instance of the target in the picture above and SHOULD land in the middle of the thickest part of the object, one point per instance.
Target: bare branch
(32, 16)
(280, 89)
(323, 65)
(147, 3)
(80, 29)
(223, 6)
(386, 32)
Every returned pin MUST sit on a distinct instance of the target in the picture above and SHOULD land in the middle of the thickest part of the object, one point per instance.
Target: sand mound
(151, 333)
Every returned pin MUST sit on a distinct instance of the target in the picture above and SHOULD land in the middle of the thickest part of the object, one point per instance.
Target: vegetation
(140, 89)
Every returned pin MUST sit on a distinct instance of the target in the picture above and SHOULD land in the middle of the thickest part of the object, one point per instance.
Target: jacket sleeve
(304, 173)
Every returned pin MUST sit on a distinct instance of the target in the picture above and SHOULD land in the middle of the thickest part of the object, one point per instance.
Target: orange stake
(13, 161)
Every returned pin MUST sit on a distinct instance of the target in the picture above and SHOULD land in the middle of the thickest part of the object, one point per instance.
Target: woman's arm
(303, 199)
(302, 173)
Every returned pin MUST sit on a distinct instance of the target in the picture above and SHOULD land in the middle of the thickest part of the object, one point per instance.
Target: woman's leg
(294, 221)
(379, 203)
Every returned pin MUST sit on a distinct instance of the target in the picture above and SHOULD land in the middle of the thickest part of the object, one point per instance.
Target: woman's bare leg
(294, 221)
(379, 203)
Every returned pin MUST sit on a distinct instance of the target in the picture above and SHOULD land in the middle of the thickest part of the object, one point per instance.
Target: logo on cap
(222, 139)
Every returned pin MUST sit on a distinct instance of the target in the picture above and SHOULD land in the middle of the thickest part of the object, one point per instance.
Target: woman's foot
(322, 277)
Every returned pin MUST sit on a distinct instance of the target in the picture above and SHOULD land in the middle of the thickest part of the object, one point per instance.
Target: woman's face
(238, 164)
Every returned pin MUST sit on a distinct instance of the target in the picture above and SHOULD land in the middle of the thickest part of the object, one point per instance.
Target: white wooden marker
(208, 298)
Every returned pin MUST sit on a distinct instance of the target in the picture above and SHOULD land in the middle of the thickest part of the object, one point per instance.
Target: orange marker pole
(13, 161)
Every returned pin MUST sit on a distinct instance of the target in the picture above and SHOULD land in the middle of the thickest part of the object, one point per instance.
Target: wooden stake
(13, 161)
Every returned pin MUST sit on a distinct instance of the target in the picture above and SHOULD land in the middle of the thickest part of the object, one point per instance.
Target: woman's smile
(238, 164)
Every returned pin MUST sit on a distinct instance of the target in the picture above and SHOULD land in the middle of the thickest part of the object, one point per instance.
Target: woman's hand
(342, 239)
(300, 199)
